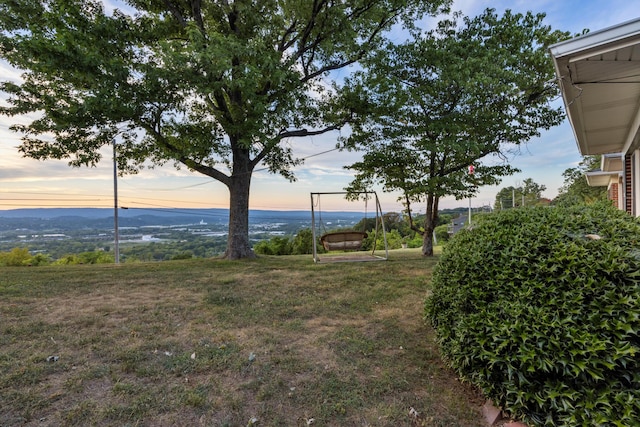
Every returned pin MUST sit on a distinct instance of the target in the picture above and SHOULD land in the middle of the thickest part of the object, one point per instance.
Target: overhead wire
(124, 181)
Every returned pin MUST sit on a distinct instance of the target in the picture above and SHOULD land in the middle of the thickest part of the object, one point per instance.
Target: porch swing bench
(347, 240)
(346, 244)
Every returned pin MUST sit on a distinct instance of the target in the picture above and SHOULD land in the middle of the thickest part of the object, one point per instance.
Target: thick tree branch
(292, 134)
(177, 155)
(205, 170)
(285, 42)
(461, 166)
(171, 6)
(196, 10)
(307, 46)
(358, 56)
(412, 224)
(305, 132)
(306, 34)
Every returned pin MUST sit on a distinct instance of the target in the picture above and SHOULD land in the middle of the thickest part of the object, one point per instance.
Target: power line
(56, 200)
(124, 181)
(209, 181)
(40, 205)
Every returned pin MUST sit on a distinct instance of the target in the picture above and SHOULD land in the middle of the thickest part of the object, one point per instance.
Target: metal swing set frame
(348, 242)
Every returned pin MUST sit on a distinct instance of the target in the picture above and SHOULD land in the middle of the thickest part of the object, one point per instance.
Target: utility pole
(116, 247)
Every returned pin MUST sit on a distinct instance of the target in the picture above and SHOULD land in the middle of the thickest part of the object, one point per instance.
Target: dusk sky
(27, 183)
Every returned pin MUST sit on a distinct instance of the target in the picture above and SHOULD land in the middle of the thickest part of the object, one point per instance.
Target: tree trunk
(427, 242)
(238, 245)
(430, 221)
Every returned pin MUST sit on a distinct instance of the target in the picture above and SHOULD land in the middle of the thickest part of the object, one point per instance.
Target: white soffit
(601, 179)
(599, 76)
(612, 163)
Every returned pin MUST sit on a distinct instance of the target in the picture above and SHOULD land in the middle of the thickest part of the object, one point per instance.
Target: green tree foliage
(199, 247)
(218, 87)
(527, 194)
(301, 243)
(442, 233)
(447, 99)
(540, 308)
(183, 255)
(40, 259)
(17, 257)
(93, 257)
(394, 240)
(575, 189)
(275, 246)
(21, 257)
(365, 224)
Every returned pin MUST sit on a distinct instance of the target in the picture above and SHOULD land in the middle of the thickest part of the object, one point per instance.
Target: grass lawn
(277, 341)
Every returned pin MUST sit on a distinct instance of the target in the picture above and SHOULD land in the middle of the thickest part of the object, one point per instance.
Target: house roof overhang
(601, 178)
(599, 78)
(612, 162)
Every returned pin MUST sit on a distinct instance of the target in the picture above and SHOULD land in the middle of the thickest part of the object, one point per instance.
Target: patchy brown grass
(277, 341)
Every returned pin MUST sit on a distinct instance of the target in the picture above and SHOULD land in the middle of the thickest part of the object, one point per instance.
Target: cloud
(10, 73)
(542, 159)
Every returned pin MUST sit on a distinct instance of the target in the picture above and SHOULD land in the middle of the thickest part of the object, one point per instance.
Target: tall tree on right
(459, 95)
(575, 190)
(529, 193)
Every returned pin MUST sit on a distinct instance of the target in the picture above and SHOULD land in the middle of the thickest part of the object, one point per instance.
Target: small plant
(540, 308)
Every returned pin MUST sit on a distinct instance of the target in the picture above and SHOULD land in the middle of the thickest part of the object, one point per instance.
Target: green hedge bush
(21, 257)
(543, 317)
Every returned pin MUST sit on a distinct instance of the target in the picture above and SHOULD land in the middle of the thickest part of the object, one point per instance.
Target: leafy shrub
(302, 242)
(93, 257)
(96, 257)
(68, 260)
(15, 258)
(18, 257)
(416, 241)
(543, 318)
(394, 240)
(40, 259)
(442, 233)
(274, 246)
(183, 255)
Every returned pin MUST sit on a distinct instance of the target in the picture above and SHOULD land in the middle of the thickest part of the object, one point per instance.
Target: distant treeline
(186, 245)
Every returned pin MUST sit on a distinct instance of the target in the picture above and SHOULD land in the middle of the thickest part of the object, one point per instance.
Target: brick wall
(628, 190)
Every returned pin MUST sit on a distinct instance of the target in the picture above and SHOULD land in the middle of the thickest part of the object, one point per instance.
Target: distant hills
(102, 218)
(48, 213)
(213, 213)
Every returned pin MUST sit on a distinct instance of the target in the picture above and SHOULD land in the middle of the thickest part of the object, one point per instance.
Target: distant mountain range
(93, 213)
(74, 218)
(48, 213)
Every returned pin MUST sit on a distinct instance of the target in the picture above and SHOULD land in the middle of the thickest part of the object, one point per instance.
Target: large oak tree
(217, 86)
(462, 94)
(529, 193)
(575, 189)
